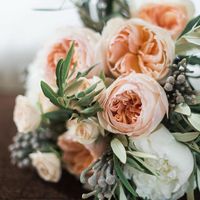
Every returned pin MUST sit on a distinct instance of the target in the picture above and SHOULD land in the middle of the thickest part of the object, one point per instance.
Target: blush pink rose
(136, 45)
(84, 51)
(170, 15)
(133, 105)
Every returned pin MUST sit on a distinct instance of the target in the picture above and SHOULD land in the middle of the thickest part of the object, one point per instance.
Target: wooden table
(16, 184)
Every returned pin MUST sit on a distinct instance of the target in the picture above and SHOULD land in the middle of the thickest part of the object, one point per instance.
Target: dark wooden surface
(16, 184)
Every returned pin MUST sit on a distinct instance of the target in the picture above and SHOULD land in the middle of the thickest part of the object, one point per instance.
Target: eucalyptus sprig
(81, 103)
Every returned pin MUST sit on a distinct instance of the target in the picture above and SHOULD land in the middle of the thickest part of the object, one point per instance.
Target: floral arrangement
(120, 110)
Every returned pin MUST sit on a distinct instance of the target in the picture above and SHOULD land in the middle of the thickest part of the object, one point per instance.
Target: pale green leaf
(123, 139)
(193, 38)
(190, 190)
(194, 119)
(186, 137)
(142, 155)
(183, 108)
(119, 150)
(122, 195)
(198, 178)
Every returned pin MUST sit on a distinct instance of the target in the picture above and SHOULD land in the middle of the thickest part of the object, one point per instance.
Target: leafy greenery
(122, 178)
(66, 98)
(109, 9)
(189, 40)
(194, 23)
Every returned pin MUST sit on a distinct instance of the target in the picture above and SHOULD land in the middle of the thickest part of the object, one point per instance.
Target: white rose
(26, 116)
(48, 166)
(85, 131)
(174, 164)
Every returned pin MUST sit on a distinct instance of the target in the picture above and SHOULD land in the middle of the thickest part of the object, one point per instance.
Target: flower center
(126, 107)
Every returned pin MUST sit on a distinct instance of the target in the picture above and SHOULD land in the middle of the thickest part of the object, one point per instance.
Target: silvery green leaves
(192, 117)
(187, 121)
(70, 97)
(188, 42)
(119, 150)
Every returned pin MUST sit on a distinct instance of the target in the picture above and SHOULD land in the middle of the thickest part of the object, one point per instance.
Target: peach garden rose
(135, 45)
(84, 52)
(77, 156)
(56, 48)
(133, 105)
(171, 15)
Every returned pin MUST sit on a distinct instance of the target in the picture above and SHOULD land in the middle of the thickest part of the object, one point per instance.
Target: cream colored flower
(48, 166)
(85, 131)
(46, 104)
(174, 165)
(26, 116)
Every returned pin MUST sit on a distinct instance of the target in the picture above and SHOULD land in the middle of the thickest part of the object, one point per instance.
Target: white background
(23, 31)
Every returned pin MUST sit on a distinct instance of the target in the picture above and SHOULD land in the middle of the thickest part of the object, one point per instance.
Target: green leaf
(142, 155)
(194, 119)
(64, 71)
(190, 189)
(195, 108)
(87, 100)
(122, 195)
(191, 59)
(193, 38)
(186, 137)
(87, 91)
(122, 178)
(92, 110)
(119, 150)
(73, 70)
(122, 139)
(85, 73)
(49, 93)
(58, 76)
(102, 76)
(198, 178)
(132, 163)
(73, 87)
(183, 108)
(148, 168)
(191, 25)
(59, 115)
(185, 48)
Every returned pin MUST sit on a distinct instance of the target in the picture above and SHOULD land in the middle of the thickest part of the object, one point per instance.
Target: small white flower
(85, 131)
(174, 164)
(48, 166)
(26, 116)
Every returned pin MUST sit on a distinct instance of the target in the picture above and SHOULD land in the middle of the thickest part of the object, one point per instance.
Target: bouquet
(120, 110)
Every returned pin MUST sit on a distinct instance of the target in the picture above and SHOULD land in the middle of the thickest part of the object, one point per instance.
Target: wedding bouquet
(120, 110)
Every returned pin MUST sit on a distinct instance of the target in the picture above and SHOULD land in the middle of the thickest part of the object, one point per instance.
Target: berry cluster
(26, 143)
(177, 87)
(101, 177)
